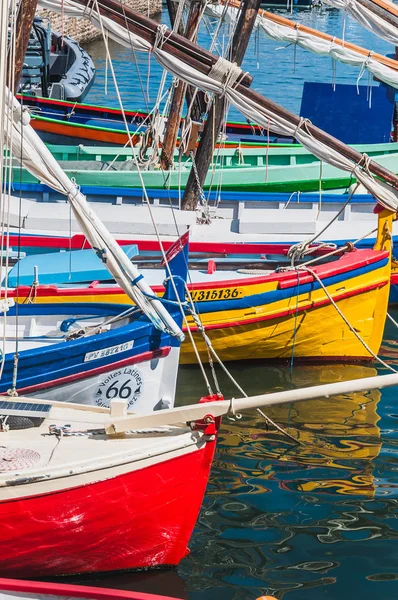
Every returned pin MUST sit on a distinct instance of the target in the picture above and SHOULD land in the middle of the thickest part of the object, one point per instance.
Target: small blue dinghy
(78, 266)
(93, 353)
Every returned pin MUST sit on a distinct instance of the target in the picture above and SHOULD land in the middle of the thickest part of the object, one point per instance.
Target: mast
(179, 93)
(215, 118)
(202, 60)
(171, 8)
(26, 13)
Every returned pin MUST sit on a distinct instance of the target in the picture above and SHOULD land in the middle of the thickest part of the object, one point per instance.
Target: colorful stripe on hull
(145, 525)
(264, 317)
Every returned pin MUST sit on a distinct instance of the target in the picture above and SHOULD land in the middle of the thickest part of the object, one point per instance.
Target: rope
(352, 329)
(226, 72)
(392, 320)
(206, 219)
(298, 250)
(210, 350)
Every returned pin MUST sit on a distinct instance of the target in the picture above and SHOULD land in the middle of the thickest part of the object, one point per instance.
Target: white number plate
(96, 354)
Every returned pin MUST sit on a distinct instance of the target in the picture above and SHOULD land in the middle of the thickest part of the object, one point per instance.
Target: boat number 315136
(220, 294)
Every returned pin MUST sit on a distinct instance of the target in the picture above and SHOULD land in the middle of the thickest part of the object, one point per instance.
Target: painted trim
(139, 358)
(286, 313)
(75, 591)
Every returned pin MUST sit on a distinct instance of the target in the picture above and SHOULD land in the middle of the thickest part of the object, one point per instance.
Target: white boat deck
(33, 453)
(233, 221)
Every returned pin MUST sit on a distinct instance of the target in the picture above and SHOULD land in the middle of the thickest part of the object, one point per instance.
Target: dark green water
(301, 522)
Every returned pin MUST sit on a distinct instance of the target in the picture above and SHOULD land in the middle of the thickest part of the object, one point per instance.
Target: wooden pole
(381, 10)
(384, 60)
(146, 28)
(179, 93)
(217, 408)
(26, 13)
(215, 118)
(186, 50)
(172, 10)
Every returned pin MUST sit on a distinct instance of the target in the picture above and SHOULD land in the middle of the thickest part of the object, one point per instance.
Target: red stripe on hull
(137, 520)
(292, 311)
(74, 591)
(132, 360)
(343, 265)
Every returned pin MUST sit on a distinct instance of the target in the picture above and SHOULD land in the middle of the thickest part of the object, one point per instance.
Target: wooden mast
(199, 58)
(26, 13)
(179, 93)
(215, 118)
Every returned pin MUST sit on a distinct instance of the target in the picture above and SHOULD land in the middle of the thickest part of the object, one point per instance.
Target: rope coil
(225, 72)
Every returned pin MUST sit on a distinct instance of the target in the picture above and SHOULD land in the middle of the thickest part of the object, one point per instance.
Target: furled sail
(224, 79)
(25, 144)
(368, 19)
(283, 30)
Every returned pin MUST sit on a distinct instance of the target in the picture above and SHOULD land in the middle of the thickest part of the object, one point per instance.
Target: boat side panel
(146, 517)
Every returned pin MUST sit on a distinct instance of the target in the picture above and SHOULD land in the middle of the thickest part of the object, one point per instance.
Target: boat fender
(211, 267)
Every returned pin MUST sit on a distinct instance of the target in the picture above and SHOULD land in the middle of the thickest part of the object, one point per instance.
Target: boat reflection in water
(275, 510)
(337, 439)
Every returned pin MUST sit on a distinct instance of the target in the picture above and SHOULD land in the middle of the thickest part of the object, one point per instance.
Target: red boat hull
(136, 520)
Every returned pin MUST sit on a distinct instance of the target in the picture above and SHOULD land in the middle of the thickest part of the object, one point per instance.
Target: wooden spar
(389, 6)
(26, 13)
(384, 60)
(212, 128)
(172, 10)
(146, 28)
(382, 9)
(189, 413)
(197, 108)
(179, 93)
(125, 16)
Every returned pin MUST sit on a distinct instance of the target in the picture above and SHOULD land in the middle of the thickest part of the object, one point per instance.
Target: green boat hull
(284, 169)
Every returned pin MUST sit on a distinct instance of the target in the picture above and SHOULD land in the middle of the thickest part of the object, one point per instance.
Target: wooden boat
(64, 122)
(90, 353)
(15, 589)
(236, 217)
(95, 504)
(234, 172)
(120, 158)
(264, 314)
(55, 65)
(79, 476)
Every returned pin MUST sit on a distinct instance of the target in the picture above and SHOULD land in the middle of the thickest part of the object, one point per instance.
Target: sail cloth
(26, 146)
(222, 81)
(282, 33)
(368, 19)
(267, 26)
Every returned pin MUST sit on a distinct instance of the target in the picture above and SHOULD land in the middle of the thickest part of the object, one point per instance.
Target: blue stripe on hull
(254, 300)
(67, 358)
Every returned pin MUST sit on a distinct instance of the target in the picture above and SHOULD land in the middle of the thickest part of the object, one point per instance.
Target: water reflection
(284, 518)
(304, 521)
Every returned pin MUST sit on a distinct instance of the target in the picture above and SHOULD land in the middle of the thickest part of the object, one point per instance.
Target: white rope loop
(226, 72)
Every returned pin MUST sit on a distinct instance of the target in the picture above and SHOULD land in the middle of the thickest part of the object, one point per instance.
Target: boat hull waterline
(122, 511)
(263, 317)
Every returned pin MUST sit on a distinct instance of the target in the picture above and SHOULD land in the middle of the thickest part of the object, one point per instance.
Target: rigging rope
(351, 328)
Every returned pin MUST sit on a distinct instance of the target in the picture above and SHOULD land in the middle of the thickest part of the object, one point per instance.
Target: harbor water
(304, 520)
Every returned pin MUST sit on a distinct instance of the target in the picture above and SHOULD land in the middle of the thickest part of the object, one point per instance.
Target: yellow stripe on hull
(315, 332)
(320, 333)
